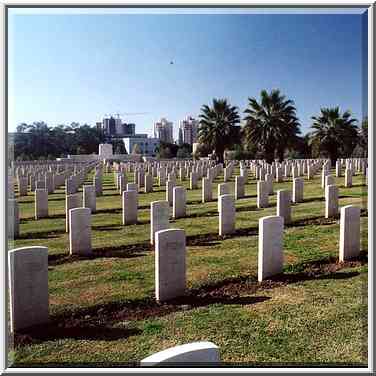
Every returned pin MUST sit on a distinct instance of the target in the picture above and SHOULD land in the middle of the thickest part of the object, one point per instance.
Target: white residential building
(188, 130)
(147, 145)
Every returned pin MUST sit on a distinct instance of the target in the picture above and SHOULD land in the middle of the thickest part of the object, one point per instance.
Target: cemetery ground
(103, 310)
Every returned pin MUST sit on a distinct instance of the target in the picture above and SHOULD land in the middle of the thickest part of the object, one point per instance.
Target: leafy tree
(136, 149)
(271, 124)
(80, 150)
(34, 140)
(243, 154)
(216, 127)
(361, 149)
(164, 153)
(202, 150)
(184, 151)
(88, 138)
(37, 140)
(118, 147)
(167, 150)
(300, 149)
(334, 134)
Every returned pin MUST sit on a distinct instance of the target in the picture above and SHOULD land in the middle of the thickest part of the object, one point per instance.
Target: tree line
(39, 141)
(270, 130)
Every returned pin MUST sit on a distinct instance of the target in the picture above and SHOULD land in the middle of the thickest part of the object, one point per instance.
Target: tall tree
(271, 123)
(217, 126)
(136, 149)
(334, 134)
(37, 140)
(362, 146)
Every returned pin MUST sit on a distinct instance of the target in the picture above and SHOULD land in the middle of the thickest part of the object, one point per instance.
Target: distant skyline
(78, 67)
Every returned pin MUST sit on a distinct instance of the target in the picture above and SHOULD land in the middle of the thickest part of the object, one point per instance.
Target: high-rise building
(114, 127)
(99, 126)
(118, 126)
(129, 128)
(163, 130)
(188, 130)
(180, 137)
(109, 126)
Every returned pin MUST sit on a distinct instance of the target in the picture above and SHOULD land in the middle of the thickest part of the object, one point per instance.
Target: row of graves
(28, 266)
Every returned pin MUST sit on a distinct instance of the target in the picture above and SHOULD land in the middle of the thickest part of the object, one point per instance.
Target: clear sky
(78, 67)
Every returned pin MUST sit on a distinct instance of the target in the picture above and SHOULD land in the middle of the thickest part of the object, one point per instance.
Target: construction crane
(126, 114)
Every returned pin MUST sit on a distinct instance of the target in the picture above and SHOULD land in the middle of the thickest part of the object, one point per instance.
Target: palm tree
(217, 127)
(272, 124)
(335, 133)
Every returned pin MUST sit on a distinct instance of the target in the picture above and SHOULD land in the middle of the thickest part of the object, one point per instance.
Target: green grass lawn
(103, 310)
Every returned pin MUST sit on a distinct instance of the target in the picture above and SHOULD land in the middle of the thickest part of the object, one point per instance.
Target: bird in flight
(171, 62)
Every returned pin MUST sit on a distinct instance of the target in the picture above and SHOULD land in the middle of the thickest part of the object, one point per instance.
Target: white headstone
(262, 194)
(148, 183)
(89, 198)
(284, 205)
(80, 231)
(331, 201)
(179, 202)
(193, 180)
(41, 203)
(239, 187)
(22, 186)
(297, 190)
(349, 240)
(97, 182)
(169, 191)
(270, 253)
(348, 178)
(190, 353)
(71, 202)
(28, 287)
(130, 207)
(13, 219)
(159, 218)
(170, 264)
(206, 190)
(226, 214)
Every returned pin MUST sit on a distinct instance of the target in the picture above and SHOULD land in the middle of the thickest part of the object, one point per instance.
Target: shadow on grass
(107, 228)
(111, 194)
(329, 263)
(314, 199)
(248, 208)
(140, 309)
(42, 234)
(210, 238)
(108, 187)
(316, 221)
(58, 198)
(121, 251)
(236, 290)
(143, 207)
(354, 185)
(109, 210)
(248, 196)
(50, 216)
(49, 200)
(196, 202)
(211, 213)
(117, 227)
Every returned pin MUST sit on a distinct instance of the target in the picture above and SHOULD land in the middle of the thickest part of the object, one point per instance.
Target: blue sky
(78, 67)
